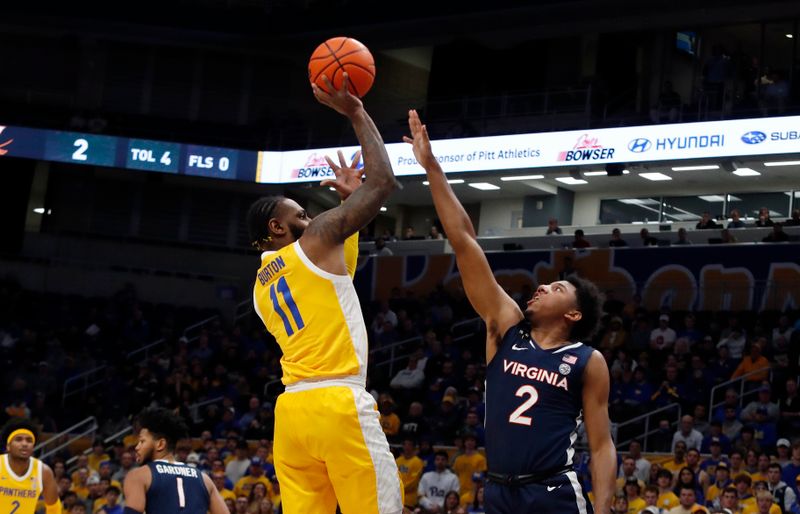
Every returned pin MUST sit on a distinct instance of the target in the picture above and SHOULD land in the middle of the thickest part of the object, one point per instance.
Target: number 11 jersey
(315, 316)
(534, 404)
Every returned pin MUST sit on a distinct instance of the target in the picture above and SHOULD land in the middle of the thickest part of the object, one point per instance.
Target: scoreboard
(128, 153)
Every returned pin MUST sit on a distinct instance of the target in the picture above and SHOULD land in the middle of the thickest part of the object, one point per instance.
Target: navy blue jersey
(176, 489)
(534, 404)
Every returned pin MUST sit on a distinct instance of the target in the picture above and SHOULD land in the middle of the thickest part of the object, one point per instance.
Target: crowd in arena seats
(432, 399)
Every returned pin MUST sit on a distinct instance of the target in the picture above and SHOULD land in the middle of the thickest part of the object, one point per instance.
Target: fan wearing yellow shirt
(667, 499)
(98, 455)
(390, 422)
(24, 478)
(678, 460)
(467, 465)
(764, 504)
(722, 480)
(329, 445)
(410, 468)
(218, 477)
(256, 476)
(633, 491)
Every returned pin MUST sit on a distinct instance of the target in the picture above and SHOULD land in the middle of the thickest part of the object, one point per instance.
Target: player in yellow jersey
(329, 446)
(24, 478)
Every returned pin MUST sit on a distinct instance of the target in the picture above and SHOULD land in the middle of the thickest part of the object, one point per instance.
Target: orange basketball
(338, 55)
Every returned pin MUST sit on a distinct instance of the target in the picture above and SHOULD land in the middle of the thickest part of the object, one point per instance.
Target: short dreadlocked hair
(164, 424)
(590, 304)
(258, 216)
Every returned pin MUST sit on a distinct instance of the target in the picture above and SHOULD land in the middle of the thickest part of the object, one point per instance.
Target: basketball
(338, 55)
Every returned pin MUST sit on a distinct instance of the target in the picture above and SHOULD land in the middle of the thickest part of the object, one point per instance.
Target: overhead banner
(713, 139)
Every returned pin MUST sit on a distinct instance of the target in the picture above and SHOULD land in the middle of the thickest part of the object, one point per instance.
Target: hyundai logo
(639, 145)
(754, 137)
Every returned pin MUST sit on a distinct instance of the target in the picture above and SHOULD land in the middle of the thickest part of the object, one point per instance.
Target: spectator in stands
(241, 505)
(678, 460)
(434, 485)
(127, 462)
(694, 462)
(647, 239)
(380, 248)
(580, 241)
(794, 221)
(473, 426)
(615, 335)
(466, 465)
(670, 390)
(682, 240)
(763, 401)
(218, 477)
(784, 451)
(414, 425)
(390, 421)
(410, 467)
(783, 331)
(237, 467)
(706, 222)
(445, 423)
(641, 465)
(97, 455)
(735, 341)
(633, 493)
(750, 366)
(687, 434)
(650, 497)
(765, 430)
(620, 504)
(783, 495)
(722, 480)
(246, 484)
(737, 463)
(730, 500)
(666, 497)
(451, 504)
(763, 218)
(410, 378)
(744, 444)
(736, 221)
(434, 233)
(78, 508)
(789, 408)
(112, 505)
(791, 470)
(628, 472)
(764, 503)
(726, 237)
(777, 235)
(552, 227)
(743, 484)
(668, 105)
(685, 478)
(662, 338)
(716, 442)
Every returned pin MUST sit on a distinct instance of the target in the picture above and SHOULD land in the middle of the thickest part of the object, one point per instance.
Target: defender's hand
(419, 140)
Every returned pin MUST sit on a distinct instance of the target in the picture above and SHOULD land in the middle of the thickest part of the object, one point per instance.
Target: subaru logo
(754, 137)
(639, 145)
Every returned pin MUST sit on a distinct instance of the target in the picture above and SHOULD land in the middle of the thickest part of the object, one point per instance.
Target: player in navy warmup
(541, 381)
(162, 485)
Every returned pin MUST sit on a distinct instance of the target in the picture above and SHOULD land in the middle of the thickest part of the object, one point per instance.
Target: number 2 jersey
(534, 404)
(19, 494)
(315, 316)
(176, 489)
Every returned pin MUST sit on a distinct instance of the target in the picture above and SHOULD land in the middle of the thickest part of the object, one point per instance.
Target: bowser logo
(586, 148)
(4, 144)
(315, 167)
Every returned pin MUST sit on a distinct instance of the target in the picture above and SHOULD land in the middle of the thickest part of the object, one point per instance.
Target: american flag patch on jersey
(570, 359)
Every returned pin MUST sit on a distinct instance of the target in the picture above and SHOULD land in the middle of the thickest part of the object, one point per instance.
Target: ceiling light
(655, 176)
(696, 168)
(595, 173)
(782, 163)
(639, 201)
(39, 210)
(384, 209)
(483, 186)
(571, 181)
(746, 172)
(790, 36)
(521, 177)
(451, 181)
(332, 188)
(712, 198)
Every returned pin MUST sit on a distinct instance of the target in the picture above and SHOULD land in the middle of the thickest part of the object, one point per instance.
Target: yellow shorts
(329, 447)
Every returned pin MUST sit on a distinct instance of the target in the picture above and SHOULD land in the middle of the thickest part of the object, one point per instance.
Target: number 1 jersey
(315, 316)
(534, 404)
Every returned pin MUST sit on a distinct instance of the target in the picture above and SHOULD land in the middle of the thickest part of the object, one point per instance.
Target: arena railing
(739, 382)
(645, 419)
(392, 349)
(86, 428)
(194, 409)
(84, 381)
(106, 446)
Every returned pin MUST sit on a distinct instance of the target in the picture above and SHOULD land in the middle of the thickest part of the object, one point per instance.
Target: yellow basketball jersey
(314, 315)
(19, 494)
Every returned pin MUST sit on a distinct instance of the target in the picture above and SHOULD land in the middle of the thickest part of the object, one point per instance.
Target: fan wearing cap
(256, 476)
(633, 492)
(25, 478)
(722, 479)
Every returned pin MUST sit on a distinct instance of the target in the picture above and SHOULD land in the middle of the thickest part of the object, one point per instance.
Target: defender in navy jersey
(161, 485)
(541, 382)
